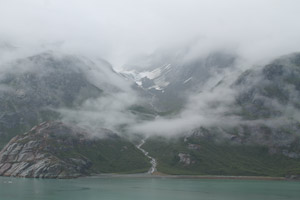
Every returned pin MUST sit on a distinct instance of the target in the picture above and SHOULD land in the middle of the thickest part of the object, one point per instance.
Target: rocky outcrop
(57, 150)
(185, 159)
(292, 177)
(37, 153)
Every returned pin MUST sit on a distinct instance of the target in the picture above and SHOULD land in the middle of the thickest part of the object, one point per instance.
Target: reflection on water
(145, 188)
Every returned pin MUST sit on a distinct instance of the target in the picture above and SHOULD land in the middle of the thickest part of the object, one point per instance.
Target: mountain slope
(201, 155)
(57, 150)
(260, 137)
(272, 90)
(171, 79)
(31, 89)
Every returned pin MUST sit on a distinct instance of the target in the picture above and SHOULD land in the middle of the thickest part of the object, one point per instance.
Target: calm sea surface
(120, 188)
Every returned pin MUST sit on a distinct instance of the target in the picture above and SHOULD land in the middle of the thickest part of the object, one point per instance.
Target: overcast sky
(116, 30)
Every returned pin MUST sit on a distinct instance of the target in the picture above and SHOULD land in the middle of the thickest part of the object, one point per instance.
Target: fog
(121, 30)
(118, 30)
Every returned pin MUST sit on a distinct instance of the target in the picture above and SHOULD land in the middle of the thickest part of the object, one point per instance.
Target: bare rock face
(185, 159)
(37, 153)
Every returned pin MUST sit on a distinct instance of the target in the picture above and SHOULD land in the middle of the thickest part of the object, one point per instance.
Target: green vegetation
(142, 109)
(212, 158)
(10, 132)
(112, 155)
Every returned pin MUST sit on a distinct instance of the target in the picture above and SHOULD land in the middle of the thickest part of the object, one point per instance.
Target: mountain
(200, 154)
(261, 136)
(270, 97)
(35, 92)
(32, 89)
(269, 92)
(56, 150)
(170, 80)
(248, 124)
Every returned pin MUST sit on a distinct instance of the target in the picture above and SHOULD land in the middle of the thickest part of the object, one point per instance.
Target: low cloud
(119, 30)
(109, 112)
(207, 108)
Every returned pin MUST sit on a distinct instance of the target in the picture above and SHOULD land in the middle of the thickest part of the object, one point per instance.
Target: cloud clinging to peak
(119, 29)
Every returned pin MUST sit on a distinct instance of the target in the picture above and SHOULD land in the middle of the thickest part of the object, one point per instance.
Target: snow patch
(187, 80)
(152, 74)
(155, 75)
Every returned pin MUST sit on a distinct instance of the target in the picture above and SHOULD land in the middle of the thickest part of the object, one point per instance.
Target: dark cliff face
(266, 93)
(268, 99)
(57, 150)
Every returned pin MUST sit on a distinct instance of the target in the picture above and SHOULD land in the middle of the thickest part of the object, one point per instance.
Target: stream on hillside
(152, 160)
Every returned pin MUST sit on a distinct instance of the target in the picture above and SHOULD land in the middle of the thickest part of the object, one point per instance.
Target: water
(120, 188)
(152, 160)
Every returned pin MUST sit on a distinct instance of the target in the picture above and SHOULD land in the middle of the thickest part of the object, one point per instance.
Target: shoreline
(167, 176)
(217, 177)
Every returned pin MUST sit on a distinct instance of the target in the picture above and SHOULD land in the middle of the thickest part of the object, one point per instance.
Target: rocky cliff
(57, 150)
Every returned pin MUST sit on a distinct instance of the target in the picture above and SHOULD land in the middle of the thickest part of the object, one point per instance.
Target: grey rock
(293, 177)
(185, 159)
(290, 154)
(32, 154)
